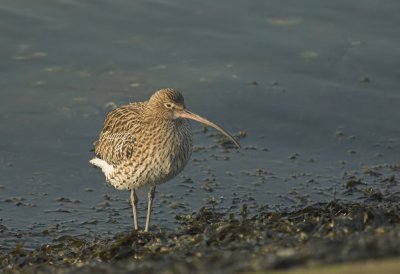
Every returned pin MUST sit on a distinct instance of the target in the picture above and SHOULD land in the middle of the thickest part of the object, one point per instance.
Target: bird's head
(169, 104)
(165, 103)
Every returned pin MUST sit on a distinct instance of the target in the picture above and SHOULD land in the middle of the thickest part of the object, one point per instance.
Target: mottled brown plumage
(147, 143)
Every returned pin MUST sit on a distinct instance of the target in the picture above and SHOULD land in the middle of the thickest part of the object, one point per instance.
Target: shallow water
(314, 85)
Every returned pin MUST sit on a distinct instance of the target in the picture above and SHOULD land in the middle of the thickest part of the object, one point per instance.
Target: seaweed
(210, 241)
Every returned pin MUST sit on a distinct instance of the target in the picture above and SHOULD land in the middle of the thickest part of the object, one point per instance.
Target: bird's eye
(168, 105)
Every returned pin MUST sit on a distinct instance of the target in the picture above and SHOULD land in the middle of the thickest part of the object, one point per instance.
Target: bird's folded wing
(115, 147)
(117, 139)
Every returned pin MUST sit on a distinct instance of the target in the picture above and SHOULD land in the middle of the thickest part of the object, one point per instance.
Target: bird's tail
(105, 167)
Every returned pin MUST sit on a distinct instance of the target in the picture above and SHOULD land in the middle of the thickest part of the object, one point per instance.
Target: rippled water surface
(313, 85)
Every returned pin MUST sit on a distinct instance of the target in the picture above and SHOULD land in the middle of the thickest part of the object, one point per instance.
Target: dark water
(315, 85)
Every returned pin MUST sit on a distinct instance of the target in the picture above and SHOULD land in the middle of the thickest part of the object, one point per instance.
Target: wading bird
(147, 143)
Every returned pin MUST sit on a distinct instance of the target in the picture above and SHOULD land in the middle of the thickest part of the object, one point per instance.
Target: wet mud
(310, 90)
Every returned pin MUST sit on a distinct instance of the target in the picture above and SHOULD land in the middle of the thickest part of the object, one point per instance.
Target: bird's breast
(174, 151)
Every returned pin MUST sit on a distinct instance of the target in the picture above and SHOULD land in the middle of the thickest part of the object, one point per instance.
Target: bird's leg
(151, 197)
(134, 202)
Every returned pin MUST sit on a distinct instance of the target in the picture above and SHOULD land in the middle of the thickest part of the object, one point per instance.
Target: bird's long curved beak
(190, 115)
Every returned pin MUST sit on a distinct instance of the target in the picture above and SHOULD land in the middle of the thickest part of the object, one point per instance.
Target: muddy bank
(209, 241)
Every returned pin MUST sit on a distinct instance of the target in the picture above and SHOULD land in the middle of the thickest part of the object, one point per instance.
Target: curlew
(147, 143)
